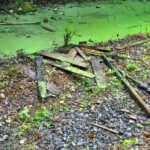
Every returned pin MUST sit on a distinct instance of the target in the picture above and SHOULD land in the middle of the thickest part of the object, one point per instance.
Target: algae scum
(92, 22)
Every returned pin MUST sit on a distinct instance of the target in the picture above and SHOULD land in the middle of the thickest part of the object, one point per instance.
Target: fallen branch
(132, 44)
(46, 28)
(22, 23)
(129, 87)
(105, 128)
(72, 69)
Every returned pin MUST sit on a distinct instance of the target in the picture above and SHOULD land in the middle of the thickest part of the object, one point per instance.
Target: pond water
(94, 22)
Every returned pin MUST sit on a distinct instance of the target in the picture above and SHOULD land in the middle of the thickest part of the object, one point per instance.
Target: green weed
(131, 67)
(42, 114)
(24, 115)
(69, 32)
(3, 85)
(128, 143)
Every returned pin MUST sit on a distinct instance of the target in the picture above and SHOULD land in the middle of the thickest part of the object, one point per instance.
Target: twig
(46, 28)
(103, 127)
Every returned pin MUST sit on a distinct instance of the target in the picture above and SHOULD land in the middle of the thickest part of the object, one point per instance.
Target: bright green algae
(110, 21)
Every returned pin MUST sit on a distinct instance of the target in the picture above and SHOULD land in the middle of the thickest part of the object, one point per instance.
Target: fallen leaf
(2, 96)
(147, 135)
(125, 110)
(37, 136)
(144, 97)
(132, 116)
(91, 135)
(60, 132)
(93, 107)
(80, 109)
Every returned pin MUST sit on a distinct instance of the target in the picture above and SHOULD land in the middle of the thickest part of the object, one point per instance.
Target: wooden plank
(40, 78)
(99, 76)
(72, 69)
(49, 86)
(82, 54)
(64, 59)
(91, 50)
(72, 53)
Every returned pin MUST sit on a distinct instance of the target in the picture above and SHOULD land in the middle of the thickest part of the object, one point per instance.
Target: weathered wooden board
(49, 86)
(99, 75)
(72, 69)
(64, 59)
(40, 78)
(72, 53)
(82, 54)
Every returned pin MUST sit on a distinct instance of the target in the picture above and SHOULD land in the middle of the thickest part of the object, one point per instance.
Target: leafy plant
(110, 71)
(132, 67)
(66, 109)
(57, 107)
(3, 85)
(23, 129)
(24, 114)
(129, 143)
(41, 115)
(69, 32)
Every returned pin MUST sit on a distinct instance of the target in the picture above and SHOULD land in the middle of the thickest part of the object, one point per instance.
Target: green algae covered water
(94, 22)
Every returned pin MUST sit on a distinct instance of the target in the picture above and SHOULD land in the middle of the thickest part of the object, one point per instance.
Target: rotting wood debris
(78, 60)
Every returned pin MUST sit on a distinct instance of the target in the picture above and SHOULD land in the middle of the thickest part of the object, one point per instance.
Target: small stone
(1, 140)
(57, 138)
(22, 141)
(129, 129)
(131, 121)
(41, 128)
(73, 144)
(80, 143)
(2, 96)
(128, 134)
(5, 137)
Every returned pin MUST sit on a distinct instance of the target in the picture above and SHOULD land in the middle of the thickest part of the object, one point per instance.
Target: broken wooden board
(64, 59)
(70, 68)
(99, 76)
(49, 86)
(72, 53)
(91, 50)
(40, 78)
(82, 54)
(132, 44)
